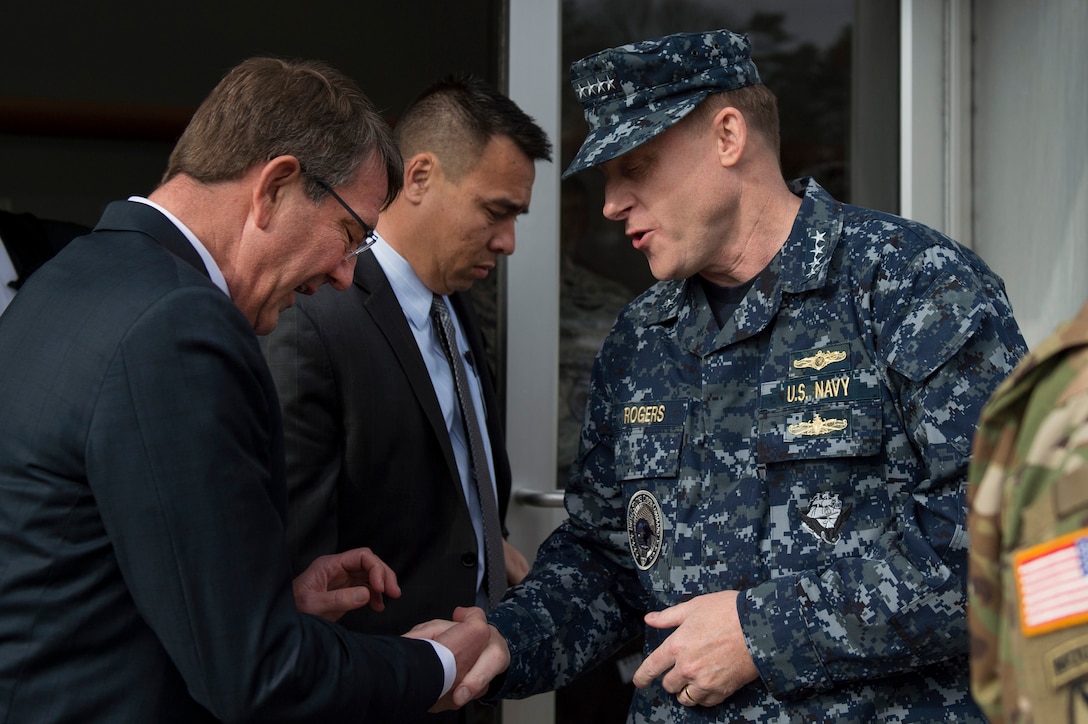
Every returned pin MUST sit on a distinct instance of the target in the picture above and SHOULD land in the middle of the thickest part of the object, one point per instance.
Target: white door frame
(935, 120)
(532, 303)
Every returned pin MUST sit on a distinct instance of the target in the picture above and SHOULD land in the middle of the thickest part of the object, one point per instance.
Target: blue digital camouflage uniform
(811, 453)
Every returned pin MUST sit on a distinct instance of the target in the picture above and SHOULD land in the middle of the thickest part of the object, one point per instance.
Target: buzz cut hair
(457, 116)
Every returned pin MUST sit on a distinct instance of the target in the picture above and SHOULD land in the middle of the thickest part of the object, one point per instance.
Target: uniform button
(468, 560)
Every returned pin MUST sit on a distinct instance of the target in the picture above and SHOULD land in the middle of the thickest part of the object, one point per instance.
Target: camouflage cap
(634, 92)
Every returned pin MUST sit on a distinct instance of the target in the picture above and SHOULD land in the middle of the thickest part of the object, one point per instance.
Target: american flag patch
(1052, 581)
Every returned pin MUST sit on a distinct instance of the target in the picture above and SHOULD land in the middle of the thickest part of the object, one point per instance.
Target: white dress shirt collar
(413, 294)
(214, 272)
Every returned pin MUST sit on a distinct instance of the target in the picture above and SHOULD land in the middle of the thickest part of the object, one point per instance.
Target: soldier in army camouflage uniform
(1028, 520)
(771, 475)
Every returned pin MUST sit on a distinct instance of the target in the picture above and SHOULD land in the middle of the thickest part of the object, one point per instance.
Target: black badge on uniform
(644, 528)
(825, 517)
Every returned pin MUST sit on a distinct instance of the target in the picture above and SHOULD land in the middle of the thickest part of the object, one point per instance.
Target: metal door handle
(539, 498)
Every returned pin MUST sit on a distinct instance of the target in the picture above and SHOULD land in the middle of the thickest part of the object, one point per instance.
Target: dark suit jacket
(369, 460)
(143, 570)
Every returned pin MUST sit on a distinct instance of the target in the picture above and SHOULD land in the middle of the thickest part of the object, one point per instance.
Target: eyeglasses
(369, 237)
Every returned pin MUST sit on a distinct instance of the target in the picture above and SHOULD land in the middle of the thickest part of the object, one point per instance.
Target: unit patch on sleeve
(644, 528)
(1052, 583)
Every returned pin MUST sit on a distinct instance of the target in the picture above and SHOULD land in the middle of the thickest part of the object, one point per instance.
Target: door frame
(530, 293)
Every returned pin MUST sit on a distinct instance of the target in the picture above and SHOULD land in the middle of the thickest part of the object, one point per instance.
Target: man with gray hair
(144, 573)
(770, 479)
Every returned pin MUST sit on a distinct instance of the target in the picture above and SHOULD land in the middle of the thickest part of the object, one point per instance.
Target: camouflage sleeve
(582, 599)
(1027, 500)
(944, 336)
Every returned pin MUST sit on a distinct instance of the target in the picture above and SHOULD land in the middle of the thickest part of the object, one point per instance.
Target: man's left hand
(705, 660)
(334, 584)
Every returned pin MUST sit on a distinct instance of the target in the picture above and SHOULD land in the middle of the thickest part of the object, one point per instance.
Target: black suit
(369, 459)
(143, 569)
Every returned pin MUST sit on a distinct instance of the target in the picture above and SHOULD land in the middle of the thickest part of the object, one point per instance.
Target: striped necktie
(496, 565)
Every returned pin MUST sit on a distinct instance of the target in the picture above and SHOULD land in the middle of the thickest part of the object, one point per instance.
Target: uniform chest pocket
(841, 429)
(649, 452)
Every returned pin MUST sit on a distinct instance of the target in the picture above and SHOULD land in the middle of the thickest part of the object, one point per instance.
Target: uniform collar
(803, 260)
(800, 265)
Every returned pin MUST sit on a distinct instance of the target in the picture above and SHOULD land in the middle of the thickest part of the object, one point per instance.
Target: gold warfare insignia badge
(644, 528)
(818, 426)
(820, 360)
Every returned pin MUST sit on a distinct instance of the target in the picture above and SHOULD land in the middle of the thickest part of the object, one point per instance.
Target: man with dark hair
(143, 565)
(379, 444)
(770, 481)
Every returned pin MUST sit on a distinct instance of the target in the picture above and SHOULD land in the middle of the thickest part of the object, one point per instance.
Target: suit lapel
(381, 303)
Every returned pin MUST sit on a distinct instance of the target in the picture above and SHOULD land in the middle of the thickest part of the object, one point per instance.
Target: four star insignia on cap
(596, 87)
(632, 92)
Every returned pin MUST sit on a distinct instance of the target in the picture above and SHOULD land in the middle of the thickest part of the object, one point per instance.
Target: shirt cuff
(449, 665)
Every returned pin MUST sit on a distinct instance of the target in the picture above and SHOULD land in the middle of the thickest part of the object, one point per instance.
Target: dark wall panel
(96, 92)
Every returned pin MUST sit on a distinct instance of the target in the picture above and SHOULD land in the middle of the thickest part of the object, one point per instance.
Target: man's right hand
(478, 662)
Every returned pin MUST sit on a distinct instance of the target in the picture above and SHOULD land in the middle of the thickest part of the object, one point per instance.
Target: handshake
(703, 661)
(479, 649)
(334, 584)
